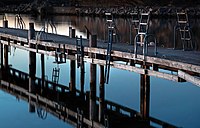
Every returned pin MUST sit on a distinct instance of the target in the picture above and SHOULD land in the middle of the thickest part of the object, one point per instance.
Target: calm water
(175, 103)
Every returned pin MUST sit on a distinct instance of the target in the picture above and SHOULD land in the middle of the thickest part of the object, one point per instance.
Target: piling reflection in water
(74, 106)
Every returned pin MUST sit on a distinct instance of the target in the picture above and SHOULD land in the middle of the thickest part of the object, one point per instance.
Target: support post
(82, 78)
(145, 96)
(92, 43)
(31, 31)
(102, 94)
(5, 56)
(43, 70)
(93, 76)
(72, 76)
(72, 32)
(1, 52)
(32, 67)
(155, 67)
(32, 71)
(5, 24)
(32, 59)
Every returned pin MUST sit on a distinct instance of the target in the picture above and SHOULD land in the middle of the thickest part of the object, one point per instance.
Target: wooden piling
(31, 31)
(32, 71)
(155, 67)
(101, 94)
(82, 78)
(144, 95)
(72, 76)
(42, 70)
(5, 56)
(31, 106)
(72, 32)
(1, 54)
(87, 32)
(32, 66)
(93, 76)
(92, 43)
(5, 24)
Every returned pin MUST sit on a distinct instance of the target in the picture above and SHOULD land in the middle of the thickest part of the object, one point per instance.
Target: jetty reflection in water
(68, 103)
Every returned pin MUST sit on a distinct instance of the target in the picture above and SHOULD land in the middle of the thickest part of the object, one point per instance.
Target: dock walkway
(172, 60)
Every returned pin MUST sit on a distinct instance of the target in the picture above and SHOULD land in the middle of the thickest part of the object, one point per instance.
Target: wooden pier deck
(168, 59)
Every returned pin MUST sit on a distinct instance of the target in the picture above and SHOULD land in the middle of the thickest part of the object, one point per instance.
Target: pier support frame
(93, 77)
(72, 85)
(145, 95)
(101, 94)
(32, 66)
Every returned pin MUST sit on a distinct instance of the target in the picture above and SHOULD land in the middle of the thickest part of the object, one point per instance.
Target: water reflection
(70, 104)
(81, 110)
(94, 99)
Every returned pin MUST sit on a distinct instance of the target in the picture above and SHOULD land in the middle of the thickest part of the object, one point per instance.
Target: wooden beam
(189, 78)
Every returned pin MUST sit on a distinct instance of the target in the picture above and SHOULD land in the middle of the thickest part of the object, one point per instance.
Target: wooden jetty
(167, 59)
(169, 64)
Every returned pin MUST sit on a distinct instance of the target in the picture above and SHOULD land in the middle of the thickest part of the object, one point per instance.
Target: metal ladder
(142, 35)
(183, 27)
(108, 55)
(110, 23)
(42, 34)
(60, 56)
(79, 118)
(55, 75)
(133, 24)
(19, 22)
(80, 52)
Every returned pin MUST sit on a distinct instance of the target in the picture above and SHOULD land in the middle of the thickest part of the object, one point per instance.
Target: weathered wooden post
(145, 95)
(72, 76)
(72, 32)
(92, 43)
(43, 71)
(1, 52)
(82, 78)
(5, 56)
(31, 31)
(5, 23)
(102, 94)
(32, 65)
(155, 67)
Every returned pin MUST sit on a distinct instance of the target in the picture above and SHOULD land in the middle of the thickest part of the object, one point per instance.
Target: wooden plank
(149, 72)
(189, 78)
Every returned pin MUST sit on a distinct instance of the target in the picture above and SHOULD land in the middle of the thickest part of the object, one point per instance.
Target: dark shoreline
(157, 11)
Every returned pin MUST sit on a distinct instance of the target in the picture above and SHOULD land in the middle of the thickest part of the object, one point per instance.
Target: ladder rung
(182, 21)
(135, 20)
(141, 33)
(144, 14)
(140, 43)
(188, 39)
(184, 30)
(143, 24)
(181, 13)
